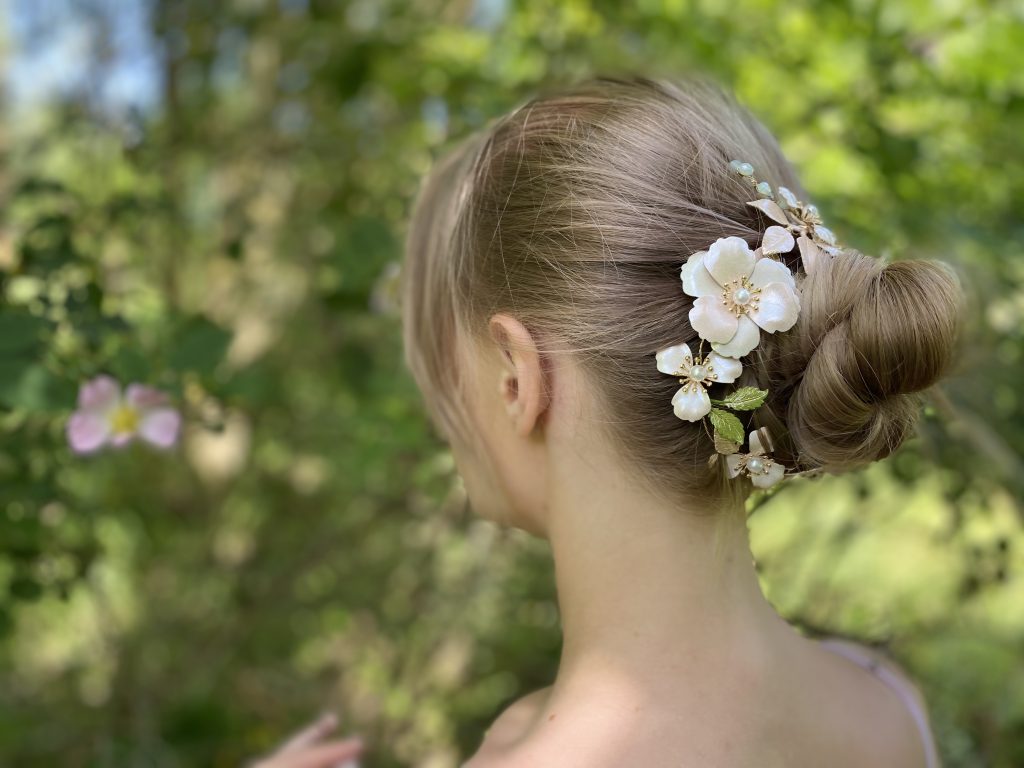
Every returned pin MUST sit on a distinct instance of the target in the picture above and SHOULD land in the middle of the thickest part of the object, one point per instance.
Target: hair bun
(869, 337)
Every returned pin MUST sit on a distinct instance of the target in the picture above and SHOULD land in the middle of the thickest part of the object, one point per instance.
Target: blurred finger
(322, 756)
(309, 735)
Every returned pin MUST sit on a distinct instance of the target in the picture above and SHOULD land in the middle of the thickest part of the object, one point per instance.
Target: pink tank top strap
(898, 684)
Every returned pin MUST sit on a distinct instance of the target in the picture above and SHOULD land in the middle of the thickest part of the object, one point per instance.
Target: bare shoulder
(889, 667)
(530, 734)
(508, 730)
(886, 662)
(552, 746)
(816, 708)
(880, 695)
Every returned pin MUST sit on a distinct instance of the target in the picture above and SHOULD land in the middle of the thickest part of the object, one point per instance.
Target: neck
(645, 586)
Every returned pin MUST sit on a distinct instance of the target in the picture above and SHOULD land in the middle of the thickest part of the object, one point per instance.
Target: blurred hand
(307, 749)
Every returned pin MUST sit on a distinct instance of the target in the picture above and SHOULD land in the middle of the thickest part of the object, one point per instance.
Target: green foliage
(727, 426)
(743, 399)
(307, 545)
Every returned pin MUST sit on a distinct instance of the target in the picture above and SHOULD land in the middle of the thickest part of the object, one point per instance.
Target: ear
(522, 386)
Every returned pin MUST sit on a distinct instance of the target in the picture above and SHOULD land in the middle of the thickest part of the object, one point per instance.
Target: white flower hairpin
(763, 471)
(691, 401)
(796, 217)
(739, 293)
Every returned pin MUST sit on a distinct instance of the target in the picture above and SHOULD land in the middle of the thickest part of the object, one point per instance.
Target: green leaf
(743, 399)
(20, 331)
(25, 588)
(129, 364)
(26, 385)
(200, 345)
(727, 426)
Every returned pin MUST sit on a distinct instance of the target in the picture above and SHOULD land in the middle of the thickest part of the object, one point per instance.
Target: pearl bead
(764, 189)
(746, 169)
(698, 373)
(755, 466)
(741, 296)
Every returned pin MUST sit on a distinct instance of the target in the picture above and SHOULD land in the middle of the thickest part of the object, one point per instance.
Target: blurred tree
(233, 240)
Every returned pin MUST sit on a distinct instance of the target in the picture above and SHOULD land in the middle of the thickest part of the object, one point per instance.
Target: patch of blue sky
(104, 50)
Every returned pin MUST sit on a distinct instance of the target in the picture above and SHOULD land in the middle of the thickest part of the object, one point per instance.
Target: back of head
(575, 212)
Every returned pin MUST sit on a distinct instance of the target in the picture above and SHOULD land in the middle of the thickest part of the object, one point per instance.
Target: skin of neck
(649, 589)
(645, 587)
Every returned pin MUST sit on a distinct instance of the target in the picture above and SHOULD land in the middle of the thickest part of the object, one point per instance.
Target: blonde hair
(575, 212)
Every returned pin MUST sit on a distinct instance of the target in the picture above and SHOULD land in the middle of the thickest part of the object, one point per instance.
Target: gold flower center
(701, 373)
(740, 296)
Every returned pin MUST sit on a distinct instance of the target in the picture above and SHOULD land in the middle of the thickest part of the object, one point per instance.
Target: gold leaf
(809, 253)
(725, 447)
(776, 240)
(770, 209)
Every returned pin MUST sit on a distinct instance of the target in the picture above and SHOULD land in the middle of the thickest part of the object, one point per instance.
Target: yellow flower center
(124, 420)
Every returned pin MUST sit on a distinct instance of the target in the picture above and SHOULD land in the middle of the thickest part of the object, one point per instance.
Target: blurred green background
(210, 197)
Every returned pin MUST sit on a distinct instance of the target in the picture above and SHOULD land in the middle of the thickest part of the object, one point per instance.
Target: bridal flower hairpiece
(738, 294)
(691, 401)
(758, 465)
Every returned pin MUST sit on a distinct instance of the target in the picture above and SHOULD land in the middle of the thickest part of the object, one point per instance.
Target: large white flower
(739, 295)
(691, 401)
(762, 470)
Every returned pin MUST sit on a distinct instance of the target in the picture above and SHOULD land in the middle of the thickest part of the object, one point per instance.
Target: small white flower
(763, 471)
(803, 219)
(738, 295)
(691, 401)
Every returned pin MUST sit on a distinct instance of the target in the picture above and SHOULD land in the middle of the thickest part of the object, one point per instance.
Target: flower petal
(697, 281)
(675, 361)
(771, 271)
(777, 240)
(771, 477)
(87, 431)
(734, 463)
(757, 446)
(747, 337)
(726, 369)
(809, 253)
(159, 427)
(788, 197)
(777, 308)
(99, 394)
(141, 396)
(728, 259)
(711, 320)
(770, 209)
(121, 438)
(824, 234)
(691, 402)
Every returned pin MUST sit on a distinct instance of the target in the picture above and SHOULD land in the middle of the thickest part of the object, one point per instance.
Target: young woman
(556, 265)
(624, 318)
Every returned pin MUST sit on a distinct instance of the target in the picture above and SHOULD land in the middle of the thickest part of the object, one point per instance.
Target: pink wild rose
(105, 416)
